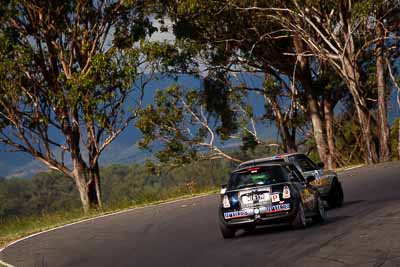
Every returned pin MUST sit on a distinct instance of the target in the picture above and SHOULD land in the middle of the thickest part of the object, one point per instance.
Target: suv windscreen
(256, 176)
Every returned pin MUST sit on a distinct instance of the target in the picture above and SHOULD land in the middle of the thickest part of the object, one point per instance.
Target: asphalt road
(364, 232)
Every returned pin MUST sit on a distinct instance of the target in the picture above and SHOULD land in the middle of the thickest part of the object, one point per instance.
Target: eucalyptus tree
(190, 124)
(237, 41)
(72, 77)
(338, 33)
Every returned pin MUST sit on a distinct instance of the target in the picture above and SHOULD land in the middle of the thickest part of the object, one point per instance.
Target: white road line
(350, 168)
(2, 263)
(98, 217)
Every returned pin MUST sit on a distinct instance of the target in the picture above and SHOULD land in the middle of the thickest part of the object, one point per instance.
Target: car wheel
(227, 232)
(299, 220)
(321, 214)
(336, 195)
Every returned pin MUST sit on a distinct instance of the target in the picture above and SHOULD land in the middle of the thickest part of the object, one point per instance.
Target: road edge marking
(101, 216)
(5, 263)
(351, 168)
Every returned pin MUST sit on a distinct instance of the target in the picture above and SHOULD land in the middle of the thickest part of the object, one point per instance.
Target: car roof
(262, 160)
(267, 164)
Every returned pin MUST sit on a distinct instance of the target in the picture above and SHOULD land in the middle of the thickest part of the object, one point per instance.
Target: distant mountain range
(124, 150)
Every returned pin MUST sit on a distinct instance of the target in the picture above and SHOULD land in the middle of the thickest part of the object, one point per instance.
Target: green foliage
(14, 198)
(363, 9)
(123, 185)
(347, 138)
(249, 142)
(189, 121)
(217, 97)
(167, 118)
(45, 193)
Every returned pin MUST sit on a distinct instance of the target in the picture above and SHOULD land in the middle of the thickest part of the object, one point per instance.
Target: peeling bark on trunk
(87, 180)
(383, 125)
(88, 184)
(79, 174)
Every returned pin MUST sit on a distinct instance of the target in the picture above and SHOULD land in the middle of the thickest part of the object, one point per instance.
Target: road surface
(364, 232)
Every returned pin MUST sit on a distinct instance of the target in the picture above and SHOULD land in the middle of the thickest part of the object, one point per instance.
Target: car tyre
(299, 220)
(335, 199)
(227, 232)
(320, 217)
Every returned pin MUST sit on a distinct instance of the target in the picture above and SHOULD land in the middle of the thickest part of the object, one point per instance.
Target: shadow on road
(349, 203)
(280, 228)
(345, 204)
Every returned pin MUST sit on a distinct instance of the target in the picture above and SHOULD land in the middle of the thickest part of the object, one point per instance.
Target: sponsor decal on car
(257, 211)
(236, 214)
(277, 208)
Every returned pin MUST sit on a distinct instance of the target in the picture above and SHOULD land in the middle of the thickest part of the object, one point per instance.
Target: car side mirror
(320, 165)
(310, 179)
(223, 189)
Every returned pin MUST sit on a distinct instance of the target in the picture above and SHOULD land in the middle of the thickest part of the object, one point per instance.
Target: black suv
(327, 182)
(266, 194)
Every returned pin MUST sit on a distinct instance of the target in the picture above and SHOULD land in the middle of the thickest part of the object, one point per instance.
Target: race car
(267, 194)
(326, 181)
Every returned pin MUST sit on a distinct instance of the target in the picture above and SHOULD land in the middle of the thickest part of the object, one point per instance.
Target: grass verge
(16, 228)
(349, 167)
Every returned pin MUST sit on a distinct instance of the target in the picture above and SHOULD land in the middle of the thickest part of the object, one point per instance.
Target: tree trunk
(352, 76)
(383, 127)
(94, 187)
(329, 119)
(317, 128)
(364, 117)
(312, 104)
(88, 184)
(80, 174)
(291, 144)
(288, 140)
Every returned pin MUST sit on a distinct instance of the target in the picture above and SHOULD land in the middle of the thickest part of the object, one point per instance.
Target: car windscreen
(256, 176)
(262, 162)
(305, 163)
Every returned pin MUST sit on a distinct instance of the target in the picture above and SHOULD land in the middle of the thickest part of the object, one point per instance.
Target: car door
(308, 167)
(307, 191)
